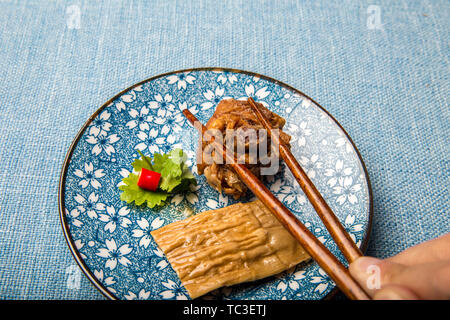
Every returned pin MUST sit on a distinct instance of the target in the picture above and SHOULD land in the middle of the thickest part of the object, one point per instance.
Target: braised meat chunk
(236, 122)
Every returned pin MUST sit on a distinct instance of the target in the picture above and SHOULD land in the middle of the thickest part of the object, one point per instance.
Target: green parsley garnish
(176, 177)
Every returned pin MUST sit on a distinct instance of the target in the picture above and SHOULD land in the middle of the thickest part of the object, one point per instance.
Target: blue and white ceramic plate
(111, 240)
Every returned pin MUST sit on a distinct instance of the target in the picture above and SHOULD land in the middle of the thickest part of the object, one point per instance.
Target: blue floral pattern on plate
(112, 240)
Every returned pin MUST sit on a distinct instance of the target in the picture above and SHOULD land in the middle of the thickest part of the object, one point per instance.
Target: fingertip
(362, 266)
(366, 272)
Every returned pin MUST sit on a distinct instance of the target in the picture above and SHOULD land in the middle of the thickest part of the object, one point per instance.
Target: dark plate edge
(62, 178)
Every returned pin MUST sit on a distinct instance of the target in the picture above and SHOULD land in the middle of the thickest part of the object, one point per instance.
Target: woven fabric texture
(380, 69)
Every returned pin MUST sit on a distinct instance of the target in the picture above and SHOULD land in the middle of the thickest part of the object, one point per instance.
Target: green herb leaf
(132, 192)
(176, 177)
(143, 162)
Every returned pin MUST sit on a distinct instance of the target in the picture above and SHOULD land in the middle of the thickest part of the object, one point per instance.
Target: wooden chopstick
(343, 240)
(326, 260)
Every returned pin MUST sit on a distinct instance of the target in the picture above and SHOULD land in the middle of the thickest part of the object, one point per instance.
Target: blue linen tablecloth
(380, 67)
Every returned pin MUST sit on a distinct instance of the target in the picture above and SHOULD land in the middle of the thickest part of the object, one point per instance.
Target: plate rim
(62, 178)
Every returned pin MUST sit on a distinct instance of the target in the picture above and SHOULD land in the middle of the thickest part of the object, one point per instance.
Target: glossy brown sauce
(231, 114)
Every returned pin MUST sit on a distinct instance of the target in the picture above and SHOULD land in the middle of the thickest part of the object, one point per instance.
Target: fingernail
(365, 264)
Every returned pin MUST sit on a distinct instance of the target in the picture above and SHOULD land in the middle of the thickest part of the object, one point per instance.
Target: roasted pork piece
(237, 118)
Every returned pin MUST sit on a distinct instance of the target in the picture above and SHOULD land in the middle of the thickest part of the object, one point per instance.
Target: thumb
(384, 279)
(373, 274)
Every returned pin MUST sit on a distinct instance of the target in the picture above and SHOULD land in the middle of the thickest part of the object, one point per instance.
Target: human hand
(419, 272)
